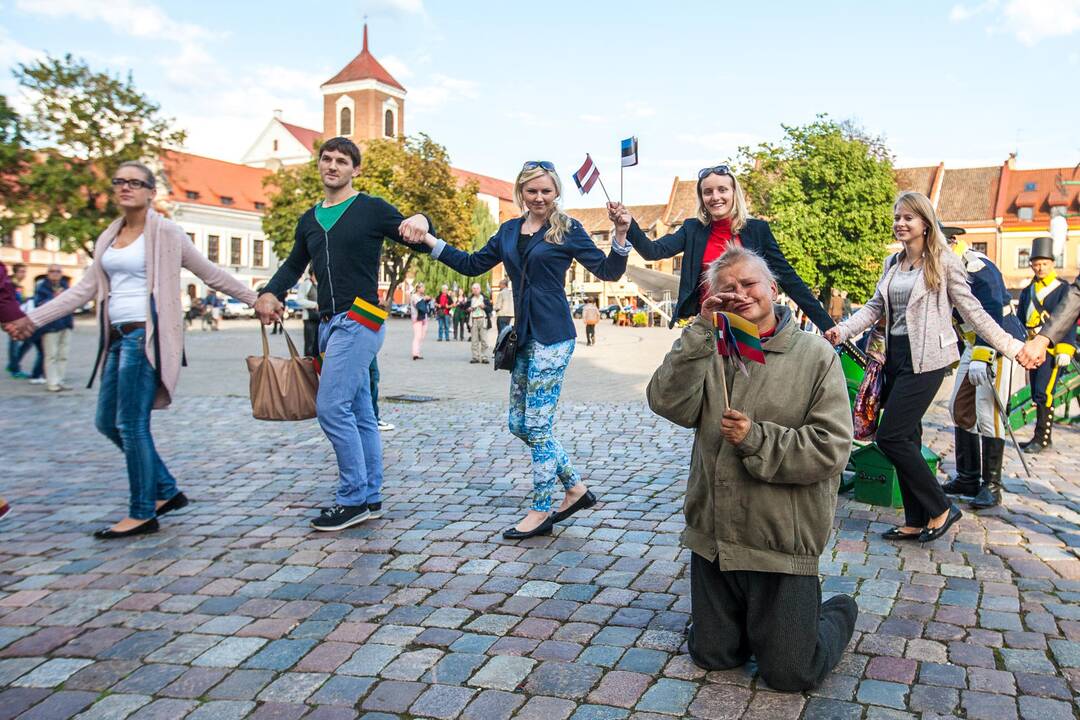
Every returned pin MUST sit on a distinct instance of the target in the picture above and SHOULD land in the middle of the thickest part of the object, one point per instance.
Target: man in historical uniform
(984, 381)
(1037, 302)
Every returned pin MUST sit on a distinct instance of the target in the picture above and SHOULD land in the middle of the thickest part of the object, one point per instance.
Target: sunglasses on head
(717, 170)
(131, 182)
(542, 164)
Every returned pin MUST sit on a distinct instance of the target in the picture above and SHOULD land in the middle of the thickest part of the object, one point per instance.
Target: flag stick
(602, 187)
(621, 168)
(723, 382)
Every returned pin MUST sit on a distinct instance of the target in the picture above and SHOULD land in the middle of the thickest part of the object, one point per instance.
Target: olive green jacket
(767, 504)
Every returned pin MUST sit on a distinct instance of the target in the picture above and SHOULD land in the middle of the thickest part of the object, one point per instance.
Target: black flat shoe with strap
(542, 529)
(146, 528)
(178, 501)
(931, 534)
(584, 502)
(898, 534)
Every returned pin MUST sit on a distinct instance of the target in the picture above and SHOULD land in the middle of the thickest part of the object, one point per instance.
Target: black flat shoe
(178, 501)
(929, 535)
(148, 527)
(542, 529)
(897, 534)
(584, 502)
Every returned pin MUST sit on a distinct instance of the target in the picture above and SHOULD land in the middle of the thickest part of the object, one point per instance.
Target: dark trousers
(775, 617)
(34, 341)
(590, 334)
(502, 321)
(311, 338)
(373, 371)
(459, 328)
(1041, 381)
(906, 396)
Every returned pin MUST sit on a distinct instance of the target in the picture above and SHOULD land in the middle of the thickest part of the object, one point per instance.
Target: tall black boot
(1044, 420)
(966, 479)
(993, 453)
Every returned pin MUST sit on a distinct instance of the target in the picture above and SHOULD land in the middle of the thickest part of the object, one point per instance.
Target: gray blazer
(1063, 319)
(929, 317)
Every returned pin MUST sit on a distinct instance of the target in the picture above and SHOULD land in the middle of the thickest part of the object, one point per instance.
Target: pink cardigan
(168, 248)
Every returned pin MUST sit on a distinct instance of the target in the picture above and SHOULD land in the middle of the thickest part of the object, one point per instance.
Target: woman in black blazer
(536, 250)
(721, 216)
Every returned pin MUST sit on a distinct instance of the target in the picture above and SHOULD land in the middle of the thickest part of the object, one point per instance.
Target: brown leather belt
(118, 331)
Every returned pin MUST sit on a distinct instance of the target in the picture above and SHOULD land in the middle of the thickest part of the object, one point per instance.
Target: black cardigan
(690, 240)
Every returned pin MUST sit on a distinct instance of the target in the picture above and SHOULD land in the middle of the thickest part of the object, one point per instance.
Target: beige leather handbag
(282, 388)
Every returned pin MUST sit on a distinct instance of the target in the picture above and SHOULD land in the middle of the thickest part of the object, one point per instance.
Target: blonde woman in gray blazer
(916, 296)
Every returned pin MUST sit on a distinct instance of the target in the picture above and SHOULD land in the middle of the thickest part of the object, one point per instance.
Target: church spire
(365, 37)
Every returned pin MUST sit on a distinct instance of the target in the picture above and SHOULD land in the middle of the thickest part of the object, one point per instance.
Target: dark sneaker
(375, 510)
(339, 517)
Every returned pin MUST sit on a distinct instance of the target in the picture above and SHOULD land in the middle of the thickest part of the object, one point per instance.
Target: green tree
(827, 190)
(82, 125)
(412, 174)
(13, 163)
(434, 274)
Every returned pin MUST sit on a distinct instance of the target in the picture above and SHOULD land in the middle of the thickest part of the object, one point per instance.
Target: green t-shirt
(328, 216)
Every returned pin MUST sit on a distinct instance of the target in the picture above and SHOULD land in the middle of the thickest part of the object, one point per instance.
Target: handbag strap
(288, 341)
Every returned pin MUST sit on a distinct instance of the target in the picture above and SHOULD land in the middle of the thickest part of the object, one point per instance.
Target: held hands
(19, 329)
(619, 215)
(833, 335)
(978, 374)
(1034, 352)
(414, 229)
(734, 426)
(269, 309)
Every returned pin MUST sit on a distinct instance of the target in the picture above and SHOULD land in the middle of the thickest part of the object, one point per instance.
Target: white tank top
(126, 268)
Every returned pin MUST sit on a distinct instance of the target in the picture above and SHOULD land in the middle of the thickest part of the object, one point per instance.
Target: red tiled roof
(918, 179)
(596, 219)
(682, 203)
(1045, 181)
(306, 136)
(968, 194)
(486, 184)
(364, 67)
(212, 179)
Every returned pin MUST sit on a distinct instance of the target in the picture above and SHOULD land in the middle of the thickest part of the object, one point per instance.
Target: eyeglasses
(718, 170)
(543, 164)
(131, 182)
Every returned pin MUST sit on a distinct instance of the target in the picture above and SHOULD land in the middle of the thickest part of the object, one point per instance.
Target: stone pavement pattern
(238, 609)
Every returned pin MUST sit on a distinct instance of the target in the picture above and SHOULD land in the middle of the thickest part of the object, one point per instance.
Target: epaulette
(973, 261)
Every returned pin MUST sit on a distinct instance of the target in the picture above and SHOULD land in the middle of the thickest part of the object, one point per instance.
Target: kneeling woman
(536, 250)
(763, 480)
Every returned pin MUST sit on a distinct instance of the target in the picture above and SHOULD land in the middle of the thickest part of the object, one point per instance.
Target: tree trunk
(397, 270)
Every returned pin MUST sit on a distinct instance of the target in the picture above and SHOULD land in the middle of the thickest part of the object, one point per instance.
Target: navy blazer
(1056, 297)
(541, 311)
(690, 240)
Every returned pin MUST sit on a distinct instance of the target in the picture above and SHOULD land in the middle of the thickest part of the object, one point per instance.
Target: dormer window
(260, 205)
(226, 200)
(1031, 187)
(192, 195)
(1025, 213)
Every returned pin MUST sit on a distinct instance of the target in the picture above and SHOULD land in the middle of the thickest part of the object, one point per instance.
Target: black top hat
(1042, 247)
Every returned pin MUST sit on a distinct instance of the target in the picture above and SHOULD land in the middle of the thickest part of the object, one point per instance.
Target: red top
(719, 237)
(9, 303)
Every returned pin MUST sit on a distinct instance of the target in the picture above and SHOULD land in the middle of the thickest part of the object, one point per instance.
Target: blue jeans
(444, 326)
(535, 385)
(128, 385)
(374, 372)
(344, 407)
(14, 356)
(34, 341)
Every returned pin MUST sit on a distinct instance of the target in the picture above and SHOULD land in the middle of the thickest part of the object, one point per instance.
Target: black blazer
(1061, 303)
(690, 240)
(540, 308)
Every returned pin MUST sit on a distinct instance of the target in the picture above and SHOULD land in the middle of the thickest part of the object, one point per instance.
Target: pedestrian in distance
(919, 288)
(768, 451)
(341, 238)
(55, 336)
(504, 305)
(590, 315)
(836, 306)
(536, 250)
(307, 297)
(420, 309)
(443, 302)
(212, 307)
(478, 321)
(461, 315)
(135, 280)
(722, 219)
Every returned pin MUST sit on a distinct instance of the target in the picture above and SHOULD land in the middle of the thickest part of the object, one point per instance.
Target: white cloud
(720, 142)
(639, 109)
(1030, 21)
(396, 67)
(528, 119)
(395, 7)
(442, 90)
(12, 53)
(593, 119)
(960, 13)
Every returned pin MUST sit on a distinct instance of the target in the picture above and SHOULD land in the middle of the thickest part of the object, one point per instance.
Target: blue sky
(498, 83)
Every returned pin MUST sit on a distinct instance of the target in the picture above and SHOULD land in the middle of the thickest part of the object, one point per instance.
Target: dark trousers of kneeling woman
(777, 618)
(128, 386)
(906, 396)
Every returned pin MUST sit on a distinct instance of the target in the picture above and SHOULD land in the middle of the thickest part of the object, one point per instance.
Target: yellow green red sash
(368, 315)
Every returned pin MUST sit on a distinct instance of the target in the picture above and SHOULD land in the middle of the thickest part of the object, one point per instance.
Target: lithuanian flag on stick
(738, 339)
(368, 315)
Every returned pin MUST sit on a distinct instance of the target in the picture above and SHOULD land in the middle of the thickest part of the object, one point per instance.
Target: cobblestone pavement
(238, 609)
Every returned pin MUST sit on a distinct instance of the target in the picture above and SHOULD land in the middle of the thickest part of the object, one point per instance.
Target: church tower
(363, 101)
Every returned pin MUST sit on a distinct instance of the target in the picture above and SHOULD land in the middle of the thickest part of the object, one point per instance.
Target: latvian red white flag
(586, 176)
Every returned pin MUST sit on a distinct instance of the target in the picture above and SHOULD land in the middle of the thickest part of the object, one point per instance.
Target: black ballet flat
(929, 535)
(178, 501)
(584, 502)
(148, 527)
(897, 534)
(543, 528)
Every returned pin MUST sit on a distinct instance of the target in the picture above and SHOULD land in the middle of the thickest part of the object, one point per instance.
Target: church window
(275, 146)
(346, 122)
(388, 122)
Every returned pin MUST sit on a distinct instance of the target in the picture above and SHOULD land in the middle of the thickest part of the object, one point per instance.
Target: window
(192, 195)
(600, 238)
(979, 247)
(213, 243)
(345, 125)
(1025, 213)
(7, 240)
(275, 146)
(587, 276)
(676, 264)
(39, 241)
(573, 272)
(648, 266)
(260, 205)
(388, 123)
(257, 253)
(234, 251)
(1059, 260)
(226, 200)
(1030, 187)
(1022, 258)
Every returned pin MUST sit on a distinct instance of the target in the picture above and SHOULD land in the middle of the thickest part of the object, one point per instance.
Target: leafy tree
(13, 161)
(827, 190)
(412, 174)
(83, 124)
(434, 274)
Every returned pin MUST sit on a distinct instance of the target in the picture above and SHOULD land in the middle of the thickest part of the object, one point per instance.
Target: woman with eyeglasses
(536, 250)
(721, 219)
(135, 279)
